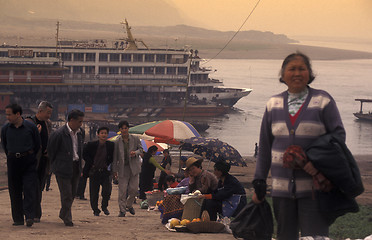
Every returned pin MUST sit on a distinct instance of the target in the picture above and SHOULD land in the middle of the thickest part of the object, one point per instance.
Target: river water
(345, 80)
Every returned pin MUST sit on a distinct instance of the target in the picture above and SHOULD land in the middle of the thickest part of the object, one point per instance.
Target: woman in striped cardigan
(296, 116)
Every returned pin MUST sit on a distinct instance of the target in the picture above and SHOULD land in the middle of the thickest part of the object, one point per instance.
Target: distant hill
(23, 26)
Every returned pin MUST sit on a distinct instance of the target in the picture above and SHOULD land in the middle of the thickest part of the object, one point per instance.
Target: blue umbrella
(213, 149)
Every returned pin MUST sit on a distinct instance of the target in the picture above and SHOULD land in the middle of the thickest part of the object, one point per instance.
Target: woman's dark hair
(15, 108)
(151, 149)
(74, 114)
(292, 57)
(222, 166)
(122, 123)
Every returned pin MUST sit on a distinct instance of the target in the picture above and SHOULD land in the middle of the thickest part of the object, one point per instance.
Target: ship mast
(57, 33)
(130, 39)
(132, 45)
(187, 85)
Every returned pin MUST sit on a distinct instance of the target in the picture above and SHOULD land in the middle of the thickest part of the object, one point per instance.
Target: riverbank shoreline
(245, 174)
(143, 225)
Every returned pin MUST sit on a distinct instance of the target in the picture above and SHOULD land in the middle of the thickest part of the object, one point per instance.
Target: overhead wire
(236, 33)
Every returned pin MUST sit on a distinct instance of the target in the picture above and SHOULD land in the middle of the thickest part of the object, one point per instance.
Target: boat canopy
(362, 100)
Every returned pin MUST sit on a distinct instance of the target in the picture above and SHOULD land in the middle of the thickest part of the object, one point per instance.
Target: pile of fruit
(174, 222)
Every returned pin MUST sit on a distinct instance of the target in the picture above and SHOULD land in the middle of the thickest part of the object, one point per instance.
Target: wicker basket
(206, 227)
(153, 197)
(192, 208)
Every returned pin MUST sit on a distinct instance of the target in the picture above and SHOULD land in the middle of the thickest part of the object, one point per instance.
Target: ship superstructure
(120, 77)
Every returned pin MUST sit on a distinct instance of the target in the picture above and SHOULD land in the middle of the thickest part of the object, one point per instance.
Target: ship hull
(363, 116)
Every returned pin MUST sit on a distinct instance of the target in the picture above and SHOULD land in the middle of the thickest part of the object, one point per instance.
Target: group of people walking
(34, 151)
(296, 116)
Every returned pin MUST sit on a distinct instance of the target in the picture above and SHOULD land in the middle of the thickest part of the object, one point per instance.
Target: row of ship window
(111, 70)
(111, 57)
(21, 72)
(130, 70)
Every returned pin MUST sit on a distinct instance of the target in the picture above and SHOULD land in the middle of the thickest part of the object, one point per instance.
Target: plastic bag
(230, 205)
(253, 222)
(176, 191)
(185, 197)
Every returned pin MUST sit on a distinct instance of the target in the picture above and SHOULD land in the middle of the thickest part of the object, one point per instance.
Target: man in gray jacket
(126, 167)
(65, 149)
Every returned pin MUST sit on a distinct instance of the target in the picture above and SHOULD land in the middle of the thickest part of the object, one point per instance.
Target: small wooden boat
(363, 115)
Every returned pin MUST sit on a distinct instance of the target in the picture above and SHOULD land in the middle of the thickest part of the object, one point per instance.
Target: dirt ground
(143, 225)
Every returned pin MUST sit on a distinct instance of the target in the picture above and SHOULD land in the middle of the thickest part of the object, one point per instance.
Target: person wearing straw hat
(202, 180)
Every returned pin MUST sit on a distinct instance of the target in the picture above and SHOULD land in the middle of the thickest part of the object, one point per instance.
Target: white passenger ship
(118, 77)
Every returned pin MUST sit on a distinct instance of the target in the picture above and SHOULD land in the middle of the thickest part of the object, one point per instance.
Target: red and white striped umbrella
(170, 130)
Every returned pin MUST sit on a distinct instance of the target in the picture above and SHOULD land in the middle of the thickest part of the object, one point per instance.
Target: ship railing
(215, 80)
(232, 89)
(194, 83)
(125, 79)
(84, 76)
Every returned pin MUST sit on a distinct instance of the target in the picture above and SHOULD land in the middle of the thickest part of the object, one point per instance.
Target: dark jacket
(89, 152)
(60, 151)
(29, 130)
(330, 155)
(229, 187)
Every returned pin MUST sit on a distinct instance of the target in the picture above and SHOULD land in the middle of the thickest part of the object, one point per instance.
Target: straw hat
(190, 161)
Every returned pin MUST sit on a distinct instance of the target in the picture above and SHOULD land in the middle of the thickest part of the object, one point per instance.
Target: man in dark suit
(21, 141)
(98, 156)
(44, 125)
(65, 150)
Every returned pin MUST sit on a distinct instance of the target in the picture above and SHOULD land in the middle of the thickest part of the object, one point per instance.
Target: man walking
(126, 167)
(21, 141)
(44, 125)
(65, 148)
(80, 192)
(98, 156)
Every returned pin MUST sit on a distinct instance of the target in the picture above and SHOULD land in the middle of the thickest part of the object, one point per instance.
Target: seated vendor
(185, 181)
(202, 180)
(228, 186)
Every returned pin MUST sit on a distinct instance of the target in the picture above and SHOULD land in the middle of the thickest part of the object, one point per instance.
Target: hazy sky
(334, 18)
(294, 18)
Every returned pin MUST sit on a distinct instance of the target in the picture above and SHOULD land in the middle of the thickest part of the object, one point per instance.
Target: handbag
(230, 205)
(254, 221)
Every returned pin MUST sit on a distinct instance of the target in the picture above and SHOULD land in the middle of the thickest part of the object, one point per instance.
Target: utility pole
(187, 85)
(57, 39)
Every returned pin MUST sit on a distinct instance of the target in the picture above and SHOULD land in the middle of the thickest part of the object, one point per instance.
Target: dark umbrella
(213, 149)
